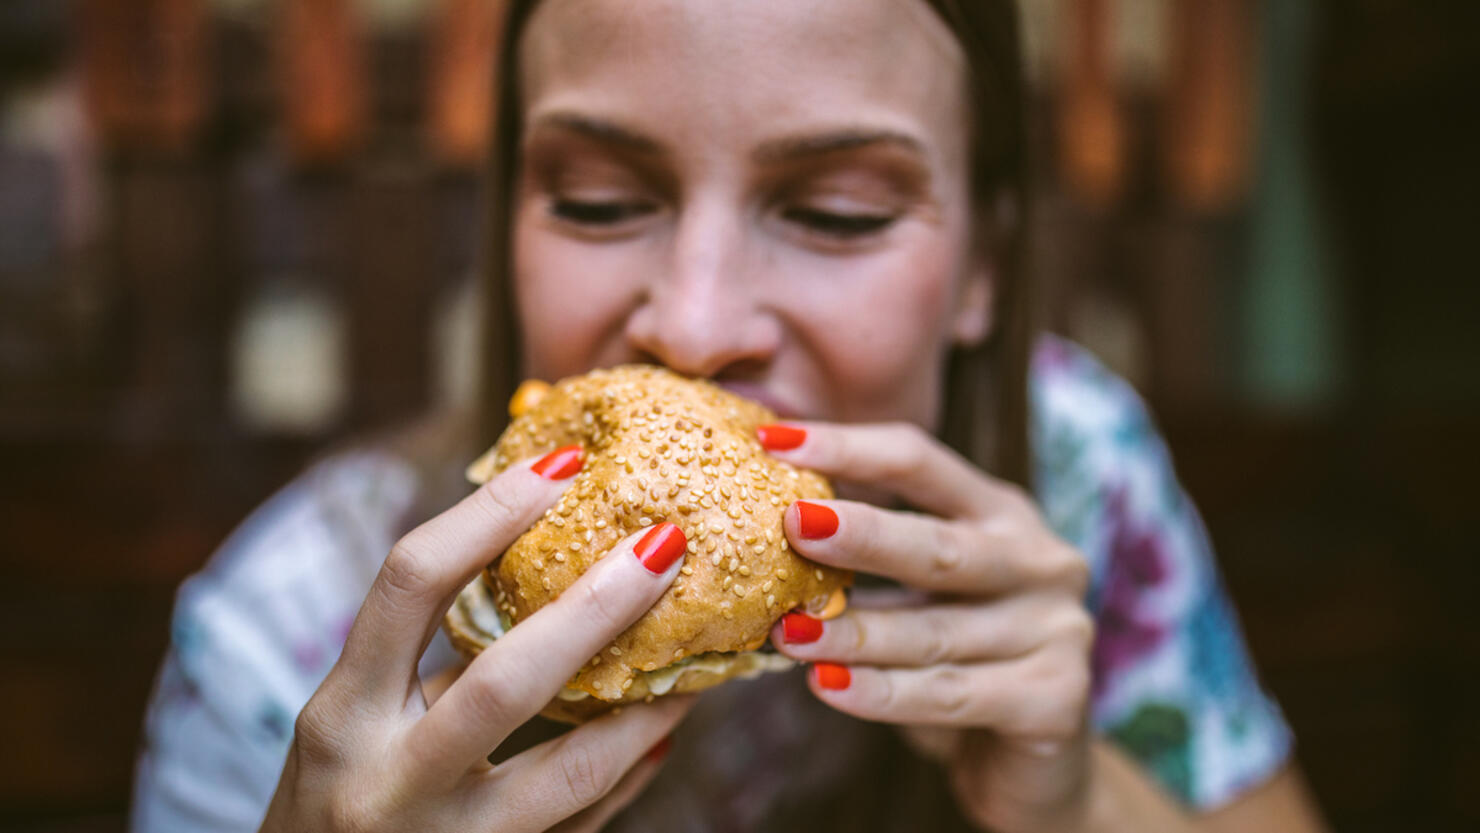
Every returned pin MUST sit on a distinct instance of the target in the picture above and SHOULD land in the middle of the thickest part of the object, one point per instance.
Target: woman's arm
(1122, 798)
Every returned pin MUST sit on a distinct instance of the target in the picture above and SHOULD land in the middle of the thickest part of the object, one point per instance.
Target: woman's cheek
(571, 296)
(877, 322)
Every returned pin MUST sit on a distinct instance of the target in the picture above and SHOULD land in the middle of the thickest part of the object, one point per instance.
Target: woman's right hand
(368, 754)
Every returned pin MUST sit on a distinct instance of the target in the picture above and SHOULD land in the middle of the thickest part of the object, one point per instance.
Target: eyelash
(845, 226)
(831, 224)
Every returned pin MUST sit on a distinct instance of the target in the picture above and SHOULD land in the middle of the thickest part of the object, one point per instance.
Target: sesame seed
(718, 557)
(734, 562)
(644, 521)
(725, 585)
(783, 575)
(739, 591)
(627, 683)
(693, 546)
(545, 582)
(601, 524)
(771, 600)
(596, 660)
(615, 651)
(750, 539)
(558, 521)
(759, 549)
(819, 575)
(538, 564)
(560, 556)
(686, 570)
(766, 587)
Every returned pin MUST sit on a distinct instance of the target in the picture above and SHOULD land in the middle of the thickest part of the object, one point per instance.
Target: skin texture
(771, 194)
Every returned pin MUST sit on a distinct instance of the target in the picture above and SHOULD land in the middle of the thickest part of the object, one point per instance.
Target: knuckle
(313, 734)
(949, 694)
(349, 812)
(491, 694)
(935, 647)
(1062, 694)
(1079, 628)
(588, 774)
(499, 507)
(947, 559)
(409, 570)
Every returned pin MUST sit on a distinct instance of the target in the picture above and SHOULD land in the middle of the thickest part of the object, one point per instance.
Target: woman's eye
(839, 225)
(598, 213)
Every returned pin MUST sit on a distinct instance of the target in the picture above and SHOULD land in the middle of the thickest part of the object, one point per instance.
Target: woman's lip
(758, 393)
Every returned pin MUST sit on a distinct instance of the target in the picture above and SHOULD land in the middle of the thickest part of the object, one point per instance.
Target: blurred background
(235, 232)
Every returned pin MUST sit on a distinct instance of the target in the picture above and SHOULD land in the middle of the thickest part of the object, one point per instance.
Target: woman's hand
(985, 653)
(368, 754)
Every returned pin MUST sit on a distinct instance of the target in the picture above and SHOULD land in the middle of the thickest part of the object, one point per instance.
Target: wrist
(1120, 797)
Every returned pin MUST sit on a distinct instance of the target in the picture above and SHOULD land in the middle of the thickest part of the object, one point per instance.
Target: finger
(918, 550)
(563, 777)
(595, 817)
(518, 674)
(947, 633)
(901, 459)
(1039, 697)
(427, 567)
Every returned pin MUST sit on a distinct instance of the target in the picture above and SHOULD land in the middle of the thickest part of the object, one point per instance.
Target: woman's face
(768, 193)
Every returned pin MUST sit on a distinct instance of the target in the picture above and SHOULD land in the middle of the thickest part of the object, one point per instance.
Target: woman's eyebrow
(600, 130)
(789, 148)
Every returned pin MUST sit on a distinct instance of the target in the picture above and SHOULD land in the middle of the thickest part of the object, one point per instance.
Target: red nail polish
(559, 464)
(781, 437)
(660, 749)
(799, 628)
(660, 547)
(831, 676)
(815, 520)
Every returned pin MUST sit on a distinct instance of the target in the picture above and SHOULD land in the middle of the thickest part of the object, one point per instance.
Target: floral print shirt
(255, 632)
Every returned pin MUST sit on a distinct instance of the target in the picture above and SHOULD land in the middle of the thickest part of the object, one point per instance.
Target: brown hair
(986, 409)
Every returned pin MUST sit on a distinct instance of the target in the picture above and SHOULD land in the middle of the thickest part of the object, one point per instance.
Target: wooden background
(1345, 525)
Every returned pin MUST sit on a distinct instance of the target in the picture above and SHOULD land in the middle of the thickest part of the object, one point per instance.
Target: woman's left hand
(990, 642)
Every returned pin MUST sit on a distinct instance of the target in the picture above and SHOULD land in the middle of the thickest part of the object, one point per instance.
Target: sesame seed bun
(658, 447)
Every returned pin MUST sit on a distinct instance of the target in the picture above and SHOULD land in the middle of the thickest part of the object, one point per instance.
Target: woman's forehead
(748, 69)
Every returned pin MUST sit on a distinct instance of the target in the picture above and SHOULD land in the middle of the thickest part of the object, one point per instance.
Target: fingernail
(815, 520)
(559, 464)
(660, 547)
(799, 628)
(831, 676)
(781, 437)
(659, 750)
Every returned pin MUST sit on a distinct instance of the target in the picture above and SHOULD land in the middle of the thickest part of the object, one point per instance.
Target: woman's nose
(703, 312)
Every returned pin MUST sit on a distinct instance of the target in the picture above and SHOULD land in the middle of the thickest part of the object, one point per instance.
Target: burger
(658, 447)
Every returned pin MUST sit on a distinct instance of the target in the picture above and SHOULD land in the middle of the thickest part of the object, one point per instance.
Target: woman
(818, 205)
